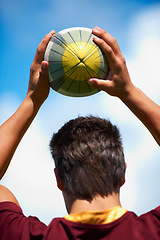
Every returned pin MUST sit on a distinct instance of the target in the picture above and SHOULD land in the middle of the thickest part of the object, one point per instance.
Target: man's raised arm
(118, 84)
(12, 131)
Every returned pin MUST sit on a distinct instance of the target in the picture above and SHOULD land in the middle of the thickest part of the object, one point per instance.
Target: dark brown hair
(89, 157)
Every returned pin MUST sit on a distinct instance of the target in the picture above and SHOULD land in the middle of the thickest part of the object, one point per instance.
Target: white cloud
(144, 43)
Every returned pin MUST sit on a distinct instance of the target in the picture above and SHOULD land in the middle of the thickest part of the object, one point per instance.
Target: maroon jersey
(14, 225)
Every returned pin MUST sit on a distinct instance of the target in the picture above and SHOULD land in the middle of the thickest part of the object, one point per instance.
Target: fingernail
(52, 32)
(95, 30)
(90, 81)
(44, 66)
(95, 38)
(98, 28)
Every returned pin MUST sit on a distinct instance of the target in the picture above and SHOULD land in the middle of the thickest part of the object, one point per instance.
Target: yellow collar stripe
(97, 217)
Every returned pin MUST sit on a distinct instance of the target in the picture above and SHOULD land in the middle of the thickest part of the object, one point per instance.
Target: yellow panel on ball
(74, 58)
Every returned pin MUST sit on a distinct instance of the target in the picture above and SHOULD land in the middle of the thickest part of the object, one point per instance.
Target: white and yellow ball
(74, 58)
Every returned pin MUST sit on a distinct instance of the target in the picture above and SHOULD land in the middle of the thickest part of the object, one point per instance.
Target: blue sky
(136, 26)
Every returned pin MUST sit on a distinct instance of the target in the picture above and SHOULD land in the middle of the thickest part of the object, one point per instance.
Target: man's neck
(97, 204)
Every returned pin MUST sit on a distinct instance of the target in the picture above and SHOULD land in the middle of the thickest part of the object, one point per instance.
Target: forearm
(118, 83)
(12, 131)
(145, 109)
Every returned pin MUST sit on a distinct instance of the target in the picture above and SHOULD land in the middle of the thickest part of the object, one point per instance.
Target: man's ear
(59, 182)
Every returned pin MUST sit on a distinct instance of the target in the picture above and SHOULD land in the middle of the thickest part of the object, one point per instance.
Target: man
(89, 160)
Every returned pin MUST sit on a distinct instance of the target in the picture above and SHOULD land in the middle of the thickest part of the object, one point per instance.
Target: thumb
(44, 67)
(99, 83)
(43, 83)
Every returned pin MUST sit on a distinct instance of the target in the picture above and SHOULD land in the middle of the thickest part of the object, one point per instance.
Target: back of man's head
(89, 157)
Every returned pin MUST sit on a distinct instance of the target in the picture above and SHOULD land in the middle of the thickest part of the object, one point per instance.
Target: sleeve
(157, 209)
(15, 225)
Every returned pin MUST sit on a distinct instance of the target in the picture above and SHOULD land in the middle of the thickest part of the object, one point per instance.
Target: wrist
(34, 100)
(31, 105)
(130, 91)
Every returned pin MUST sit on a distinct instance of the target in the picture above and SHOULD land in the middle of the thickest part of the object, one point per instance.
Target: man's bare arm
(12, 131)
(118, 83)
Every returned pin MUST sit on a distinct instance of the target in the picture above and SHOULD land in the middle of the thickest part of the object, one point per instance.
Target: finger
(35, 74)
(39, 56)
(44, 67)
(43, 75)
(107, 50)
(110, 40)
(100, 84)
(42, 84)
